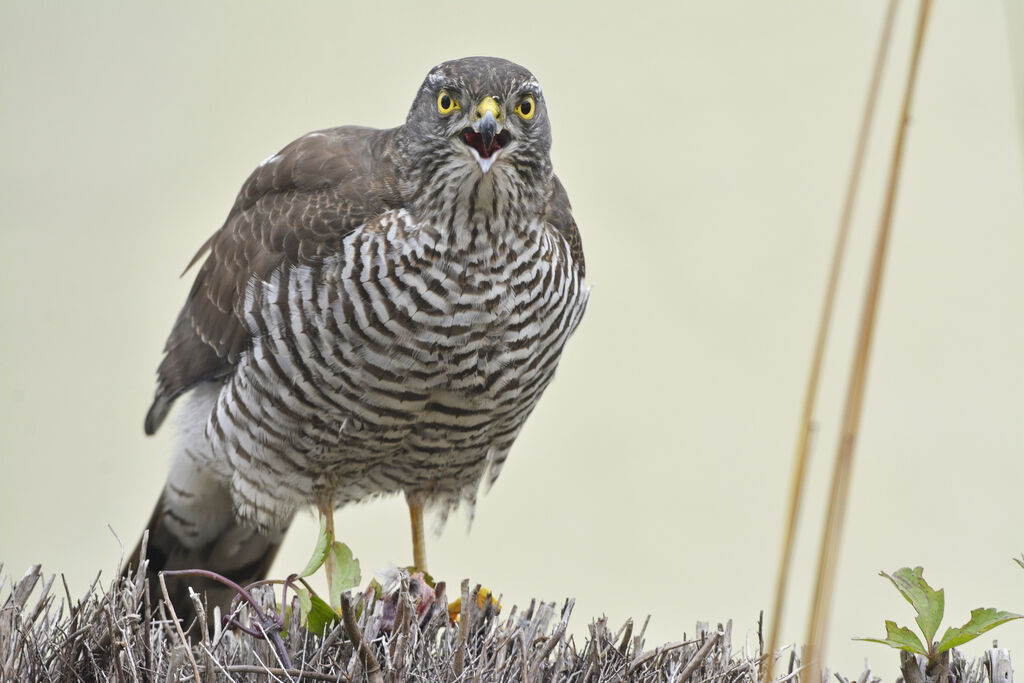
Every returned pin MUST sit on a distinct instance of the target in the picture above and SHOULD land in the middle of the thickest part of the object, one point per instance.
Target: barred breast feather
(389, 369)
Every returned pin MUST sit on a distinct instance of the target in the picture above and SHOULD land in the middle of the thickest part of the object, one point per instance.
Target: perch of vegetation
(114, 634)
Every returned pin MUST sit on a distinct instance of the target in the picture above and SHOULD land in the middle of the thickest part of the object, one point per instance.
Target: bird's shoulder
(558, 215)
(295, 208)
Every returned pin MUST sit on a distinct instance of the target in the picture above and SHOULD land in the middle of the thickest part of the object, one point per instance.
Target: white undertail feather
(195, 497)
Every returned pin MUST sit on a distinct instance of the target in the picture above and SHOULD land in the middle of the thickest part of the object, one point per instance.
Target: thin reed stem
(858, 378)
(800, 456)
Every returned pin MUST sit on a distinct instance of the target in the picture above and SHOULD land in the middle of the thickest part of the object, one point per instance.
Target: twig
(173, 662)
(524, 669)
(858, 379)
(702, 653)
(627, 634)
(910, 669)
(638, 641)
(204, 629)
(657, 652)
(328, 642)
(370, 665)
(271, 633)
(146, 615)
(811, 392)
(464, 617)
(791, 675)
(294, 673)
(557, 636)
(177, 625)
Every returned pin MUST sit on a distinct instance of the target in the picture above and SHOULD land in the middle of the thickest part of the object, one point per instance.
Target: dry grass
(112, 634)
(115, 634)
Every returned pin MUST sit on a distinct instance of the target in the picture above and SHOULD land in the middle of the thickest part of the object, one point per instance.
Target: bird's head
(479, 118)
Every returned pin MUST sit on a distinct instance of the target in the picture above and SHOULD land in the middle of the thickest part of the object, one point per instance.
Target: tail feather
(239, 553)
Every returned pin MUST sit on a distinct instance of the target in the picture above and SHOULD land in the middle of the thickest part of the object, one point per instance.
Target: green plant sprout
(342, 573)
(929, 605)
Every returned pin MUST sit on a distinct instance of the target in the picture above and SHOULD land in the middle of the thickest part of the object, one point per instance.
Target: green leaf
(927, 602)
(427, 578)
(320, 616)
(899, 637)
(305, 603)
(982, 619)
(319, 552)
(287, 621)
(344, 572)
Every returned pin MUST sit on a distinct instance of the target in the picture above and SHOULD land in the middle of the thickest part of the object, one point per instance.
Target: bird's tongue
(476, 141)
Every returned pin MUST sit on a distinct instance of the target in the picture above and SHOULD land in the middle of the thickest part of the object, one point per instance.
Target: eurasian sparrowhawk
(379, 313)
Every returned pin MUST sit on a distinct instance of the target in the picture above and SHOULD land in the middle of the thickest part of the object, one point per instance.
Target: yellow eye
(527, 107)
(446, 104)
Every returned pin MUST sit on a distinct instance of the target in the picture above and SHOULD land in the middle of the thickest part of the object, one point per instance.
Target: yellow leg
(327, 511)
(419, 548)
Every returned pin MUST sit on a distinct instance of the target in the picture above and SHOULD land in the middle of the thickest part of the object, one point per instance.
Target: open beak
(487, 136)
(488, 129)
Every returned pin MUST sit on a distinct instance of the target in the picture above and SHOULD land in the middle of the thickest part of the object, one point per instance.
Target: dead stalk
(824, 322)
(858, 378)
(177, 625)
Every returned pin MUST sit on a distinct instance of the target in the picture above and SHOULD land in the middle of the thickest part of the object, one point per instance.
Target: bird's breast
(398, 336)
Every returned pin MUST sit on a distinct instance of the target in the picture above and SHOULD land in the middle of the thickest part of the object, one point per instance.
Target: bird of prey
(379, 314)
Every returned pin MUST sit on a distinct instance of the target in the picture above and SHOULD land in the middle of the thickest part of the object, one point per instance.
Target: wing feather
(295, 208)
(558, 214)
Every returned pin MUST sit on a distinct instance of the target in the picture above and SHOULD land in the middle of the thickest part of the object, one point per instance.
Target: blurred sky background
(705, 147)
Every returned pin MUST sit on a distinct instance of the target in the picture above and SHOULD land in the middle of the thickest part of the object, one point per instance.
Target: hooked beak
(487, 136)
(488, 128)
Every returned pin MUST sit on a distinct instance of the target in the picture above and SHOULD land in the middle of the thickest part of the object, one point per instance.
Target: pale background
(705, 148)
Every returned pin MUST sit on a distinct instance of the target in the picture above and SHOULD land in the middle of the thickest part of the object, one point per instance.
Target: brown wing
(558, 214)
(294, 209)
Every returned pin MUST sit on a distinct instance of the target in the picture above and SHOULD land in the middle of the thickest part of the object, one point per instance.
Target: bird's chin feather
(485, 163)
